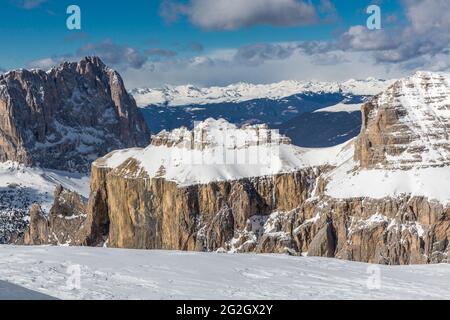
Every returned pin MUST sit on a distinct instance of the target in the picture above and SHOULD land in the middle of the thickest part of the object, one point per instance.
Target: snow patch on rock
(218, 151)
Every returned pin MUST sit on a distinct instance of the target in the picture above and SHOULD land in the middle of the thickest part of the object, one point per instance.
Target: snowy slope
(40, 183)
(218, 151)
(141, 274)
(342, 107)
(192, 95)
(43, 181)
(21, 186)
(346, 181)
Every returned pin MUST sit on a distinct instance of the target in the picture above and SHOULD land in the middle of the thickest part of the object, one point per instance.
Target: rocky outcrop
(407, 125)
(323, 243)
(67, 117)
(38, 231)
(408, 230)
(389, 231)
(65, 225)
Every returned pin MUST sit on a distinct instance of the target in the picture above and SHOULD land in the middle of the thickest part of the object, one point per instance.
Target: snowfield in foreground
(138, 274)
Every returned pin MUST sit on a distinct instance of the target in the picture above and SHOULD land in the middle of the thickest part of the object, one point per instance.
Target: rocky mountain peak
(213, 133)
(68, 116)
(408, 124)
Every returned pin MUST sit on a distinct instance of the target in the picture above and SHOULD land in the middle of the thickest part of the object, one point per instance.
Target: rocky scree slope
(316, 202)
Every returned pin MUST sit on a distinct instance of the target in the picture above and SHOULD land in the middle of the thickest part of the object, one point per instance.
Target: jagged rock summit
(67, 117)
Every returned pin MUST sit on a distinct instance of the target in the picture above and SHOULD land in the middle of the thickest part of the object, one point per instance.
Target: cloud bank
(236, 14)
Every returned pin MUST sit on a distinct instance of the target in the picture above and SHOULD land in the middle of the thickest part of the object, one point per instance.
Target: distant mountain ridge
(240, 92)
(286, 106)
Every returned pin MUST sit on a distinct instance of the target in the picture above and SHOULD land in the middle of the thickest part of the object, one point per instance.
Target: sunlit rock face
(408, 125)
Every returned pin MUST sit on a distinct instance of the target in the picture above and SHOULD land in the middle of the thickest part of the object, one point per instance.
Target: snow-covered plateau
(217, 150)
(200, 156)
(140, 274)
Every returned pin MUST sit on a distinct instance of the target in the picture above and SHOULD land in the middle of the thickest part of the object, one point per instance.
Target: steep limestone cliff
(408, 125)
(67, 117)
(64, 225)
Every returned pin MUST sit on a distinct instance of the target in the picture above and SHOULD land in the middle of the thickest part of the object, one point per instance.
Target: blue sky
(166, 35)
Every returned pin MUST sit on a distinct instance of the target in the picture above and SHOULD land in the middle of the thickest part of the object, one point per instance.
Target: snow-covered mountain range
(248, 177)
(381, 197)
(287, 106)
(240, 92)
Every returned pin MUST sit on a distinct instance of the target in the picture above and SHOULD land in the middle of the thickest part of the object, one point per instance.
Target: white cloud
(426, 33)
(235, 14)
(46, 63)
(29, 4)
(298, 66)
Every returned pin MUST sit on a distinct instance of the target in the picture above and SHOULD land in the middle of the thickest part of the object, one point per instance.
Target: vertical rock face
(155, 213)
(65, 225)
(68, 116)
(323, 243)
(39, 229)
(408, 125)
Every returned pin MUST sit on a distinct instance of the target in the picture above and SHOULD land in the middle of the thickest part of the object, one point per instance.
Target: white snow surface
(40, 183)
(239, 92)
(143, 274)
(347, 181)
(342, 107)
(219, 151)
